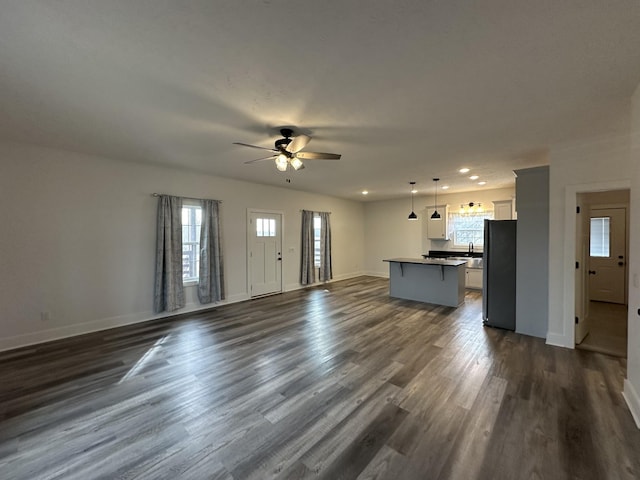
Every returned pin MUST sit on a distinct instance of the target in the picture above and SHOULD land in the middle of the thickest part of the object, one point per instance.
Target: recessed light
(445, 187)
(464, 170)
(365, 192)
(482, 183)
(474, 177)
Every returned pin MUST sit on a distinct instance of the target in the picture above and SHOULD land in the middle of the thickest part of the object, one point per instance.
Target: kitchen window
(466, 228)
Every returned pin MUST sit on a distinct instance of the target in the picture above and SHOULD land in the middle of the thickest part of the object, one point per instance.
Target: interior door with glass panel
(265, 253)
(607, 255)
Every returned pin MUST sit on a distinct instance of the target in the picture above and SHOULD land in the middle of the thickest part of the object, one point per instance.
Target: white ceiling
(404, 90)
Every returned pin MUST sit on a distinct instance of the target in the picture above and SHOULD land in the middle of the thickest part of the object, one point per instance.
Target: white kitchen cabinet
(438, 229)
(503, 210)
(474, 278)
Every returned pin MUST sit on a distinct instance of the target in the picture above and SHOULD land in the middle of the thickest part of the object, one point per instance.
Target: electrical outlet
(45, 316)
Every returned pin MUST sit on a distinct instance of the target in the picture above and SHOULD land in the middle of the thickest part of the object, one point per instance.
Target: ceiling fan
(287, 152)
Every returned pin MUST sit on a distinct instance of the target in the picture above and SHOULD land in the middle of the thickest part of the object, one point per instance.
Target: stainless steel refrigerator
(499, 274)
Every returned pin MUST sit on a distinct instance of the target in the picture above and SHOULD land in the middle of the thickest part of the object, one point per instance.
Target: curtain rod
(188, 198)
(314, 211)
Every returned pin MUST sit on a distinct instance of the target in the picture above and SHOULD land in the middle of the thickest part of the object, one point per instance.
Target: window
(317, 227)
(191, 223)
(600, 237)
(468, 228)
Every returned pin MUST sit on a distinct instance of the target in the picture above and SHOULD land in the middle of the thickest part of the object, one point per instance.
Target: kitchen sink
(473, 259)
(471, 262)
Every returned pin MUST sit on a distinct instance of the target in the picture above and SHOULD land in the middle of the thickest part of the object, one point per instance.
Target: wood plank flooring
(335, 382)
(607, 329)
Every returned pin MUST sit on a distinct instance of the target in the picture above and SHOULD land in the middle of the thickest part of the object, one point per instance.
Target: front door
(265, 253)
(607, 255)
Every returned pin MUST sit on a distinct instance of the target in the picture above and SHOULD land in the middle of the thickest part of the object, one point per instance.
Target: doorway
(601, 272)
(264, 252)
(607, 254)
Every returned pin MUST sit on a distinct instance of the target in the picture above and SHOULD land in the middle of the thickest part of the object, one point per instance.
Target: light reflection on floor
(190, 345)
(146, 358)
(319, 328)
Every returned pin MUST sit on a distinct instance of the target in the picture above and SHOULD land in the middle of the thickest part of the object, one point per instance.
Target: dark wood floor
(335, 383)
(607, 329)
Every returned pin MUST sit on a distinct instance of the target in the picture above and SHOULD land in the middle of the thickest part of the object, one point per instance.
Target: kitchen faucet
(470, 247)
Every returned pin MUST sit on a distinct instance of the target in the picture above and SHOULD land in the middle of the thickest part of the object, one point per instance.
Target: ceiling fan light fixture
(289, 151)
(296, 163)
(281, 162)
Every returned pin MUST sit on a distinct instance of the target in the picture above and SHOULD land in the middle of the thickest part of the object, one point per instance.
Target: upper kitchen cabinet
(503, 210)
(438, 229)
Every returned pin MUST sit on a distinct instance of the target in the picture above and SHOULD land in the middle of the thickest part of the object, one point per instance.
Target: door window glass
(600, 237)
(265, 227)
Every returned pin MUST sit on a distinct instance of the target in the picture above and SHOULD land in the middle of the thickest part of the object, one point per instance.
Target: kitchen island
(431, 280)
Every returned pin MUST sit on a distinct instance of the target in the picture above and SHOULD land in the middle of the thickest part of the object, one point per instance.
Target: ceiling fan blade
(318, 156)
(254, 146)
(270, 157)
(298, 143)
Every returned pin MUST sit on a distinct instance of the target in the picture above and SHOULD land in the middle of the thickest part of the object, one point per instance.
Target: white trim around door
(566, 338)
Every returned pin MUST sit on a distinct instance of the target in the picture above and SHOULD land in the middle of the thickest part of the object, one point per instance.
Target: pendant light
(435, 215)
(412, 215)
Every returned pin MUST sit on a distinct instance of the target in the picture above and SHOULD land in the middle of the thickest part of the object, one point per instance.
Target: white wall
(598, 164)
(78, 238)
(632, 384)
(389, 234)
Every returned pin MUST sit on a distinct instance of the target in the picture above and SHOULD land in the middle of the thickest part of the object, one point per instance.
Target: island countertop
(431, 280)
(428, 261)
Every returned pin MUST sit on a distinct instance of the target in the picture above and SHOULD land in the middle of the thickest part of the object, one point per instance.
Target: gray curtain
(326, 273)
(307, 268)
(211, 274)
(168, 292)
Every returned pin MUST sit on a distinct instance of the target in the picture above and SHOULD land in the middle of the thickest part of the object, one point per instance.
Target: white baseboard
(293, 286)
(345, 276)
(377, 274)
(66, 331)
(558, 340)
(633, 401)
